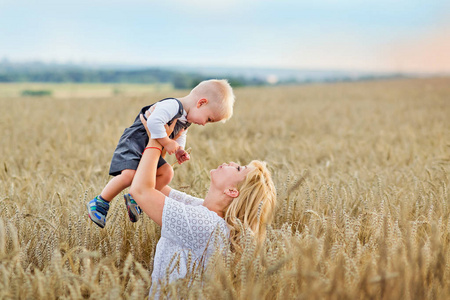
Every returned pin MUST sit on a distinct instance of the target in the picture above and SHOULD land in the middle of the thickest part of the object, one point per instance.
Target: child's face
(202, 113)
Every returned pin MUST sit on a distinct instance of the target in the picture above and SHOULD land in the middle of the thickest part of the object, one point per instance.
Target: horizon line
(236, 67)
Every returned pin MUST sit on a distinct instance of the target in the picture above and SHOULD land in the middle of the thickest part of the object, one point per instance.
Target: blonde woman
(238, 197)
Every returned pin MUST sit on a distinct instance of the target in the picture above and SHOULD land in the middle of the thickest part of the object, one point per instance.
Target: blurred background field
(83, 90)
(361, 170)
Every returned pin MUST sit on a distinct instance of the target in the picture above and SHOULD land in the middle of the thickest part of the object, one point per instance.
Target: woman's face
(229, 175)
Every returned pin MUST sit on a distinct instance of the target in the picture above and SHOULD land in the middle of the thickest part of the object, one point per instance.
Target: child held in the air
(210, 101)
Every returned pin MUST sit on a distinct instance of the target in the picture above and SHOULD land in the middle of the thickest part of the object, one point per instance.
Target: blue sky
(372, 35)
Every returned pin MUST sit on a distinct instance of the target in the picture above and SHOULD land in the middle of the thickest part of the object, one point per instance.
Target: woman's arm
(142, 189)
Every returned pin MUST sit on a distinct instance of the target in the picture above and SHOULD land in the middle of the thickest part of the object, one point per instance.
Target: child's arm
(181, 154)
(169, 145)
(181, 138)
(161, 114)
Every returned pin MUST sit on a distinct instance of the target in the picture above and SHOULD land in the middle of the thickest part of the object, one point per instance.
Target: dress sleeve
(184, 198)
(192, 227)
(164, 112)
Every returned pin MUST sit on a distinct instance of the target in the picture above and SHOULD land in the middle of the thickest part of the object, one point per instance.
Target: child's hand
(171, 146)
(182, 156)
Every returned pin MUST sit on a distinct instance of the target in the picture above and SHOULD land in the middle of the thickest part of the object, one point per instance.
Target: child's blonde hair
(218, 92)
(254, 208)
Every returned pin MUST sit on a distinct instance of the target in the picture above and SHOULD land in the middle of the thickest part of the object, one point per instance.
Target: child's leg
(99, 206)
(118, 184)
(164, 176)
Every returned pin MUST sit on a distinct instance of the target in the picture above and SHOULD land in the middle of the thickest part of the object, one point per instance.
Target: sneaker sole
(93, 220)
(131, 214)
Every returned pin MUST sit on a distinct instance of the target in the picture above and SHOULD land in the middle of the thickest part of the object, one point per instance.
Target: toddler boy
(210, 101)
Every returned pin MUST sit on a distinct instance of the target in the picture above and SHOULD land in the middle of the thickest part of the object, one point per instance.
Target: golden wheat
(362, 175)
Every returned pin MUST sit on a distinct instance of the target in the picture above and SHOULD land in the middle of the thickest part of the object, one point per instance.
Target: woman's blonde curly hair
(254, 208)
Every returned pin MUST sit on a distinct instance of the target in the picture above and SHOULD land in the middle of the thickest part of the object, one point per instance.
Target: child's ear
(202, 102)
(233, 193)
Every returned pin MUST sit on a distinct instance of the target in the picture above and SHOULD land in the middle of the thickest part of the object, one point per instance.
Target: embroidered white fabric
(187, 227)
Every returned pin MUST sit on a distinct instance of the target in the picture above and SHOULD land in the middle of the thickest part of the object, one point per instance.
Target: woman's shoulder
(192, 226)
(214, 219)
(196, 214)
(184, 198)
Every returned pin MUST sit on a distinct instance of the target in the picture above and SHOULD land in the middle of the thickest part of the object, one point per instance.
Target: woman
(238, 197)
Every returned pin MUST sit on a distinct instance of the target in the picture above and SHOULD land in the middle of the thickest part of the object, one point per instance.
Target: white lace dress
(188, 228)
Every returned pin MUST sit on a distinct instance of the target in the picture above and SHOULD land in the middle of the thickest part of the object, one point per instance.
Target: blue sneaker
(133, 209)
(98, 209)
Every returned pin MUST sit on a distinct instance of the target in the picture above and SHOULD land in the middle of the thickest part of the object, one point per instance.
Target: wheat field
(362, 175)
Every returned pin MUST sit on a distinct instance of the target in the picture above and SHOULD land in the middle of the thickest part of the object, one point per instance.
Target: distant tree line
(36, 93)
(72, 74)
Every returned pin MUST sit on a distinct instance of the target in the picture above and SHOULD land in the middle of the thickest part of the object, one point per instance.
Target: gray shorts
(129, 150)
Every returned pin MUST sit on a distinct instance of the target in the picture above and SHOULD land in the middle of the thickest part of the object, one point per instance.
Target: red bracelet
(151, 148)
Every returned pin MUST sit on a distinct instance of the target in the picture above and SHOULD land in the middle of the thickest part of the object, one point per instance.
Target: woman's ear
(202, 102)
(233, 193)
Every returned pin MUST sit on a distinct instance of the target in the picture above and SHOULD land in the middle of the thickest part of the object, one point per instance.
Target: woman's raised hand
(170, 146)
(169, 129)
(144, 122)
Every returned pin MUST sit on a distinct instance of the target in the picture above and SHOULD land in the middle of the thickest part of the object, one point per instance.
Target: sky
(364, 35)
